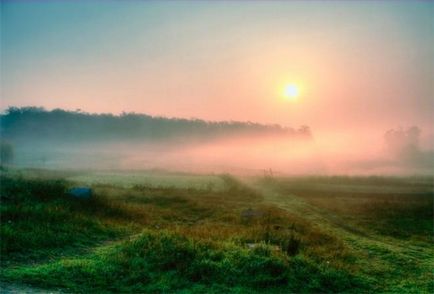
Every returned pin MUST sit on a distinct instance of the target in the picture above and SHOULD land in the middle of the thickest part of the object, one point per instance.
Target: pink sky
(363, 67)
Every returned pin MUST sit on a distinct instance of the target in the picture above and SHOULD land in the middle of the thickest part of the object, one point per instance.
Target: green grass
(387, 223)
(167, 261)
(38, 220)
(149, 178)
(163, 238)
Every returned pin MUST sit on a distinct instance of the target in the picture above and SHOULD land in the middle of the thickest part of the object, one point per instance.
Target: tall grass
(39, 220)
(165, 261)
(162, 239)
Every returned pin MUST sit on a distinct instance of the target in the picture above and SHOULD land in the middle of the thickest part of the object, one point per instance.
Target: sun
(291, 92)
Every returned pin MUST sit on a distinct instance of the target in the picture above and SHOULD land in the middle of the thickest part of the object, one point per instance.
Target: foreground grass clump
(166, 261)
(39, 220)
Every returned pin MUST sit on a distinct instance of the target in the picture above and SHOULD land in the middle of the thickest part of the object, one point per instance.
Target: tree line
(36, 123)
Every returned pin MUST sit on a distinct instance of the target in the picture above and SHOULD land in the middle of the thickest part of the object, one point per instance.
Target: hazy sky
(359, 65)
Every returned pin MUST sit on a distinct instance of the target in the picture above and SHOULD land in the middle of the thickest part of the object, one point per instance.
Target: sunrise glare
(291, 92)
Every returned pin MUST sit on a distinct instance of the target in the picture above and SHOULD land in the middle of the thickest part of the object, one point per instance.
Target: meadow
(166, 232)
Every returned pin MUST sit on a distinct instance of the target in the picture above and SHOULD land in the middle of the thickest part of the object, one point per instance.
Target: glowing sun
(291, 92)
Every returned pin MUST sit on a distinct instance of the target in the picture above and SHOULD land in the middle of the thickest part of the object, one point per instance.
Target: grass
(387, 223)
(273, 236)
(36, 215)
(398, 207)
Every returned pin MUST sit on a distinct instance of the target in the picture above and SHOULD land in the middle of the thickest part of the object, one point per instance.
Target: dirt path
(385, 255)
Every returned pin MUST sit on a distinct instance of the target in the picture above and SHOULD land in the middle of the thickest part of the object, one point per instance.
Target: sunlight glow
(291, 92)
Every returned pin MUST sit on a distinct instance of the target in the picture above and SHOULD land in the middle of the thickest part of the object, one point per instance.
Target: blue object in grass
(80, 192)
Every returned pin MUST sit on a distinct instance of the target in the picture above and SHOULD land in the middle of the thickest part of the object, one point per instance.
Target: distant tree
(403, 146)
(403, 143)
(6, 153)
(305, 130)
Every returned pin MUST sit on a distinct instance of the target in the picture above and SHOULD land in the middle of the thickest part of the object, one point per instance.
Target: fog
(78, 140)
(397, 151)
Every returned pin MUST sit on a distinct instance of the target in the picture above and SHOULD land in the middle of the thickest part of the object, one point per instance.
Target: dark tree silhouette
(37, 124)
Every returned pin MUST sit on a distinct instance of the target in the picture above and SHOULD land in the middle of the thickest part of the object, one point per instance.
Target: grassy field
(161, 232)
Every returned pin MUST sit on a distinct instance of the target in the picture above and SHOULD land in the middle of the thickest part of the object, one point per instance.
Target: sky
(360, 67)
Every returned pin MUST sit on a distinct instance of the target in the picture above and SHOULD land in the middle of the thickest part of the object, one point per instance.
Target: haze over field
(61, 139)
(358, 74)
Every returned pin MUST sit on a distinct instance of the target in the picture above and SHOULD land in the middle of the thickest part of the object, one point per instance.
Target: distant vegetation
(404, 146)
(38, 124)
(6, 153)
(75, 139)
